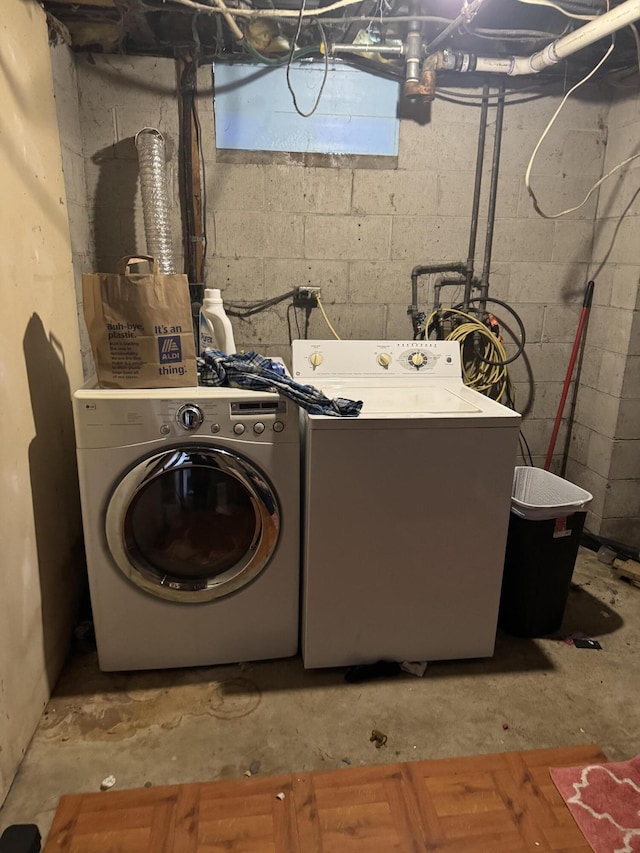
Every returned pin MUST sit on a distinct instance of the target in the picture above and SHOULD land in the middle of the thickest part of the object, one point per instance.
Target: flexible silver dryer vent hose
(155, 198)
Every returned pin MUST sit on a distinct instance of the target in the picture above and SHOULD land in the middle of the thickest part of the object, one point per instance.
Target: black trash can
(545, 525)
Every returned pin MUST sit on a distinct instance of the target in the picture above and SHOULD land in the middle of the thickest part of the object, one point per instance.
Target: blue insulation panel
(254, 110)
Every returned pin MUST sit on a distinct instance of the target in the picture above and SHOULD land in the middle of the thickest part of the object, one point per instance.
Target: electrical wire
(522, 439)
(636, 38)
(527, 176)
(288, 13)
(204, 236)
(512, 35)
(558, 9)
(247, 309)
(290, 60)
(588, 195)
(266, 13)
(291, 308)
(517, 90)
(463, 103)
(397, 19)
(518, 95)
(326, 319)
(525, 450)
(282, 60)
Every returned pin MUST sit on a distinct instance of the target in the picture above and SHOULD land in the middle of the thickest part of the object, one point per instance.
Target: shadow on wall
(114, 213)
(417, 111)
(55, 493)
(600, 225)
(607, 213)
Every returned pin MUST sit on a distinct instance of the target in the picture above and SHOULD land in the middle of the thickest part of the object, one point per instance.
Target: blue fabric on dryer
(257, 373)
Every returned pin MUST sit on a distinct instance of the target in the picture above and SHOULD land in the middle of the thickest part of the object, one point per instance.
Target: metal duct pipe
(155, 198)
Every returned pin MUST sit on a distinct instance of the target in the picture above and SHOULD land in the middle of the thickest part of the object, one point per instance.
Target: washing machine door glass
(192, 524)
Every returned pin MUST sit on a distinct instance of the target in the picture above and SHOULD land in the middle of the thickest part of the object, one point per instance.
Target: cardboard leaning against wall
(140, 327)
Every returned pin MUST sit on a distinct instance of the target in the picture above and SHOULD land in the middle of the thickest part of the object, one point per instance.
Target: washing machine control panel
(376, 359)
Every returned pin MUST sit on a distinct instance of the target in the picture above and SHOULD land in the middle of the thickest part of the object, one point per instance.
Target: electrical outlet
(306, 297)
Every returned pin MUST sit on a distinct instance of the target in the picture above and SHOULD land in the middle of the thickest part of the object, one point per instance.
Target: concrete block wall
(606, 437)
(65, 83)
(358, 232)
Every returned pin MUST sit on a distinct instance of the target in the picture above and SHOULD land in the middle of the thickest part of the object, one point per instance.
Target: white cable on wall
(527, 176)
(326, 319)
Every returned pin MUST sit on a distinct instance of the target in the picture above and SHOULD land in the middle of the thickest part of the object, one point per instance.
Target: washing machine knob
(417, 359)
(278, 426)
(384, 359)
(189, 416)
(239, 429)
(258, 428)
(316, 359)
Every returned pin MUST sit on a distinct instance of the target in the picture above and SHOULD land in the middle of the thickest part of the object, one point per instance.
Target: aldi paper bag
(140, 327)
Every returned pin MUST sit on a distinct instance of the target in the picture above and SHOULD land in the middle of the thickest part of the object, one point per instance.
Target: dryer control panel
(376, 360)
(112, 418)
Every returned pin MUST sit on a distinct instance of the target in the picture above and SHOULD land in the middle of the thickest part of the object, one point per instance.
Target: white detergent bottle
(215, 326)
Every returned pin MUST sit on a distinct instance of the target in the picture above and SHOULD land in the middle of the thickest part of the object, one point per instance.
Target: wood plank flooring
(503, 803)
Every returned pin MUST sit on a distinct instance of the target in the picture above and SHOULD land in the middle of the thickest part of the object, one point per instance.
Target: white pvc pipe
(623, 15)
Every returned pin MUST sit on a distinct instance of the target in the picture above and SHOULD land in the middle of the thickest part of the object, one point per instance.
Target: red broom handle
(586, 307)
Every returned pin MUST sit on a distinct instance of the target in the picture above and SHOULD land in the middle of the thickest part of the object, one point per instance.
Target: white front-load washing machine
(190, 503)
(406, 506)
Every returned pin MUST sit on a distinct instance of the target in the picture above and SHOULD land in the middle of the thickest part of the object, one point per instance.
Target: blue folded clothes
(258, 373)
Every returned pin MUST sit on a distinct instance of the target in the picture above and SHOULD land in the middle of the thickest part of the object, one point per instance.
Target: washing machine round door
(192, 524)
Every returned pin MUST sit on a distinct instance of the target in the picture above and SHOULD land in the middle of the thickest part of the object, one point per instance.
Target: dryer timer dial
(189, 416)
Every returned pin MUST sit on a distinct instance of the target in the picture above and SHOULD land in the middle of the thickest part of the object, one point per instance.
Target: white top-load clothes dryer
(406, 506)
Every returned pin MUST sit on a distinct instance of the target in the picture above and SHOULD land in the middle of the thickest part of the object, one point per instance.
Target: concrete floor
(212, 723)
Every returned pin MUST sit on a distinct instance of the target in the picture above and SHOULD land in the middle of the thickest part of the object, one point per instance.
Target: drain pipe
(427, 269)
(473, 233)
(493, 196)
(413, 51)
(563, 47)
(155, 198)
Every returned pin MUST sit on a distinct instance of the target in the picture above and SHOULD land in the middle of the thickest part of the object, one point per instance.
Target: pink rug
(604, 799)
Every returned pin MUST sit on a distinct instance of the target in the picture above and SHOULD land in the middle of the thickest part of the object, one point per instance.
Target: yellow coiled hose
(490, 379)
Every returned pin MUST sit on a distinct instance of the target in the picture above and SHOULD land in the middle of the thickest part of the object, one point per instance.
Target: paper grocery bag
(140, 327)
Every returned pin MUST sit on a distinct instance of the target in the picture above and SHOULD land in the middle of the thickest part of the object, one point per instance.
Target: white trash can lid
(539, 495)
